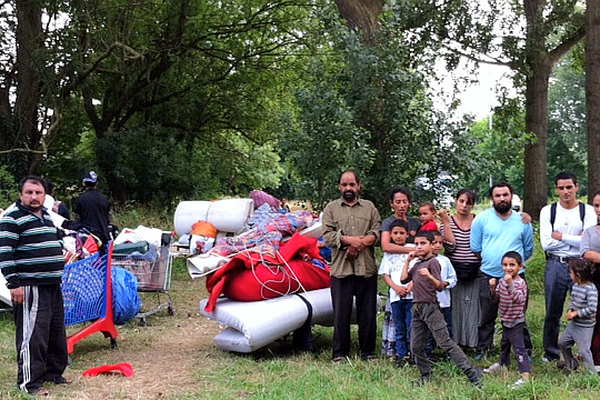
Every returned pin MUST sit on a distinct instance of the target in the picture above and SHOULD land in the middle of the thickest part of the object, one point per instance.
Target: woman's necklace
(464, 223)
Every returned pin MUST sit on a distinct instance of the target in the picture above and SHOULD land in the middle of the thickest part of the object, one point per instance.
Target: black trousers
(41, 336)
(343, 293)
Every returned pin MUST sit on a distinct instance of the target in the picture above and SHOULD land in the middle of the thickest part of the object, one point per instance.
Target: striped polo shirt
(30, 248)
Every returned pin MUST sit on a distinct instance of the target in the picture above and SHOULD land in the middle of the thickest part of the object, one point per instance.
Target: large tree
(20, 117)
(366, 105)
(491, 32)
(205, 73)
(592, 90)
(543, 49)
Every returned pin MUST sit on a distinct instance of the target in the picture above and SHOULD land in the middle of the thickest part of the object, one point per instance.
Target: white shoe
(518, 384)
(495, 367)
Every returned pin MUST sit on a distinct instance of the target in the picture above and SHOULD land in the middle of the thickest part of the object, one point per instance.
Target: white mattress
(252, 325)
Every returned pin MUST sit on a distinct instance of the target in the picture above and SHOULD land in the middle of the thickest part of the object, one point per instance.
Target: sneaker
(423, 380)
(61, 380)
(477, 378)
(479, 356)
(547, 359)
(574, 365)
(495, 367)
(40, 392)
(518, 384)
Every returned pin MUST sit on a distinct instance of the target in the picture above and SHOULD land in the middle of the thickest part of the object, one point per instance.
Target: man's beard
(349, 195)
(502, 207)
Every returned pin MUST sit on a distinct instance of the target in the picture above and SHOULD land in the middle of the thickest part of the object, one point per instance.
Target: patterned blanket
(266, 237)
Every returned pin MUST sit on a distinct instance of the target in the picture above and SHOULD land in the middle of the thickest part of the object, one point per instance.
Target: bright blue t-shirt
(493, 237)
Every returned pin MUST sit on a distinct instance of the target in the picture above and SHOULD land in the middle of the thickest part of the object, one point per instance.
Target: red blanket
(253, 276)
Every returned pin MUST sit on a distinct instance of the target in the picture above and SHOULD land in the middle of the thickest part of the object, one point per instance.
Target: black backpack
(553, 214)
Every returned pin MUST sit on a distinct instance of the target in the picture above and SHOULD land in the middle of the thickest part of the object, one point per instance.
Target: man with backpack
(561, 226)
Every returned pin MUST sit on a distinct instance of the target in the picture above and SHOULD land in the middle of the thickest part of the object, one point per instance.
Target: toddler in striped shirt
(581, 317)
(511, 293)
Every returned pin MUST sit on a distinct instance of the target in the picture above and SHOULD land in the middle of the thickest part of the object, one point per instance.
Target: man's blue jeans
(557, 283)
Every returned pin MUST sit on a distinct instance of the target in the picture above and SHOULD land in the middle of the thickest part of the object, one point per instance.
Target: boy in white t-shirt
(400, 297)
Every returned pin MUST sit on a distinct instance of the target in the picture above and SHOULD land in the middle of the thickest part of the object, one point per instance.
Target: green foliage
(567, 136)
(209, 74)
(151, 166)
(8, 188)
(130, 215)
(364, 106)
(170, 100)
(497, 153)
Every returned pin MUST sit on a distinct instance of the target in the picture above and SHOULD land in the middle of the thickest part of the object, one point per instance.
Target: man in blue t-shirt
(493, 233)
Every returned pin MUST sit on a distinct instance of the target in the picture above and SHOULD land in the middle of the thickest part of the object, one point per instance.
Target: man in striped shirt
(32, 262)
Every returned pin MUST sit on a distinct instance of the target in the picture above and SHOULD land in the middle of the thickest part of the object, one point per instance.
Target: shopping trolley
(153, 271)
(87, 297)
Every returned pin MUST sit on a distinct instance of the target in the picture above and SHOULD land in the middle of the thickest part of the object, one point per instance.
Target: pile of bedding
(252, 275)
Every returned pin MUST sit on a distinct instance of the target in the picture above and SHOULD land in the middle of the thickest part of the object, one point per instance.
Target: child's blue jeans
(402, 315)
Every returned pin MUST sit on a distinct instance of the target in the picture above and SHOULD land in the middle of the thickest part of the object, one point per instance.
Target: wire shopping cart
(153, 271)
(87, 296)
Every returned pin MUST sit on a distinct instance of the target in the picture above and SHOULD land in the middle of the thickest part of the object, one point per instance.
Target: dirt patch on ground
(168, 354)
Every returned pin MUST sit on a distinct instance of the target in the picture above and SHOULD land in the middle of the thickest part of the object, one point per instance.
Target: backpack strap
(582, 214)
(553, 214)
(553, 217)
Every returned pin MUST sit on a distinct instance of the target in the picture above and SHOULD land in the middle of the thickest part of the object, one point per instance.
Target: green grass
(277, 372)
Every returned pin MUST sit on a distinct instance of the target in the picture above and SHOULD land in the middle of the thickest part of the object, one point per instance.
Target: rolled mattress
(255, 324)
(229, 215)
(252, 325)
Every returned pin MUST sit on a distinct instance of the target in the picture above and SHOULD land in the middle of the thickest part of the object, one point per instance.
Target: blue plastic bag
(125, 298)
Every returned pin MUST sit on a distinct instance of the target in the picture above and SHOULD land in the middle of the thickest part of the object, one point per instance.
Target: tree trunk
(29, 41)
(539, 65)
(592, 93)
(361, 16)
(536, 121)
